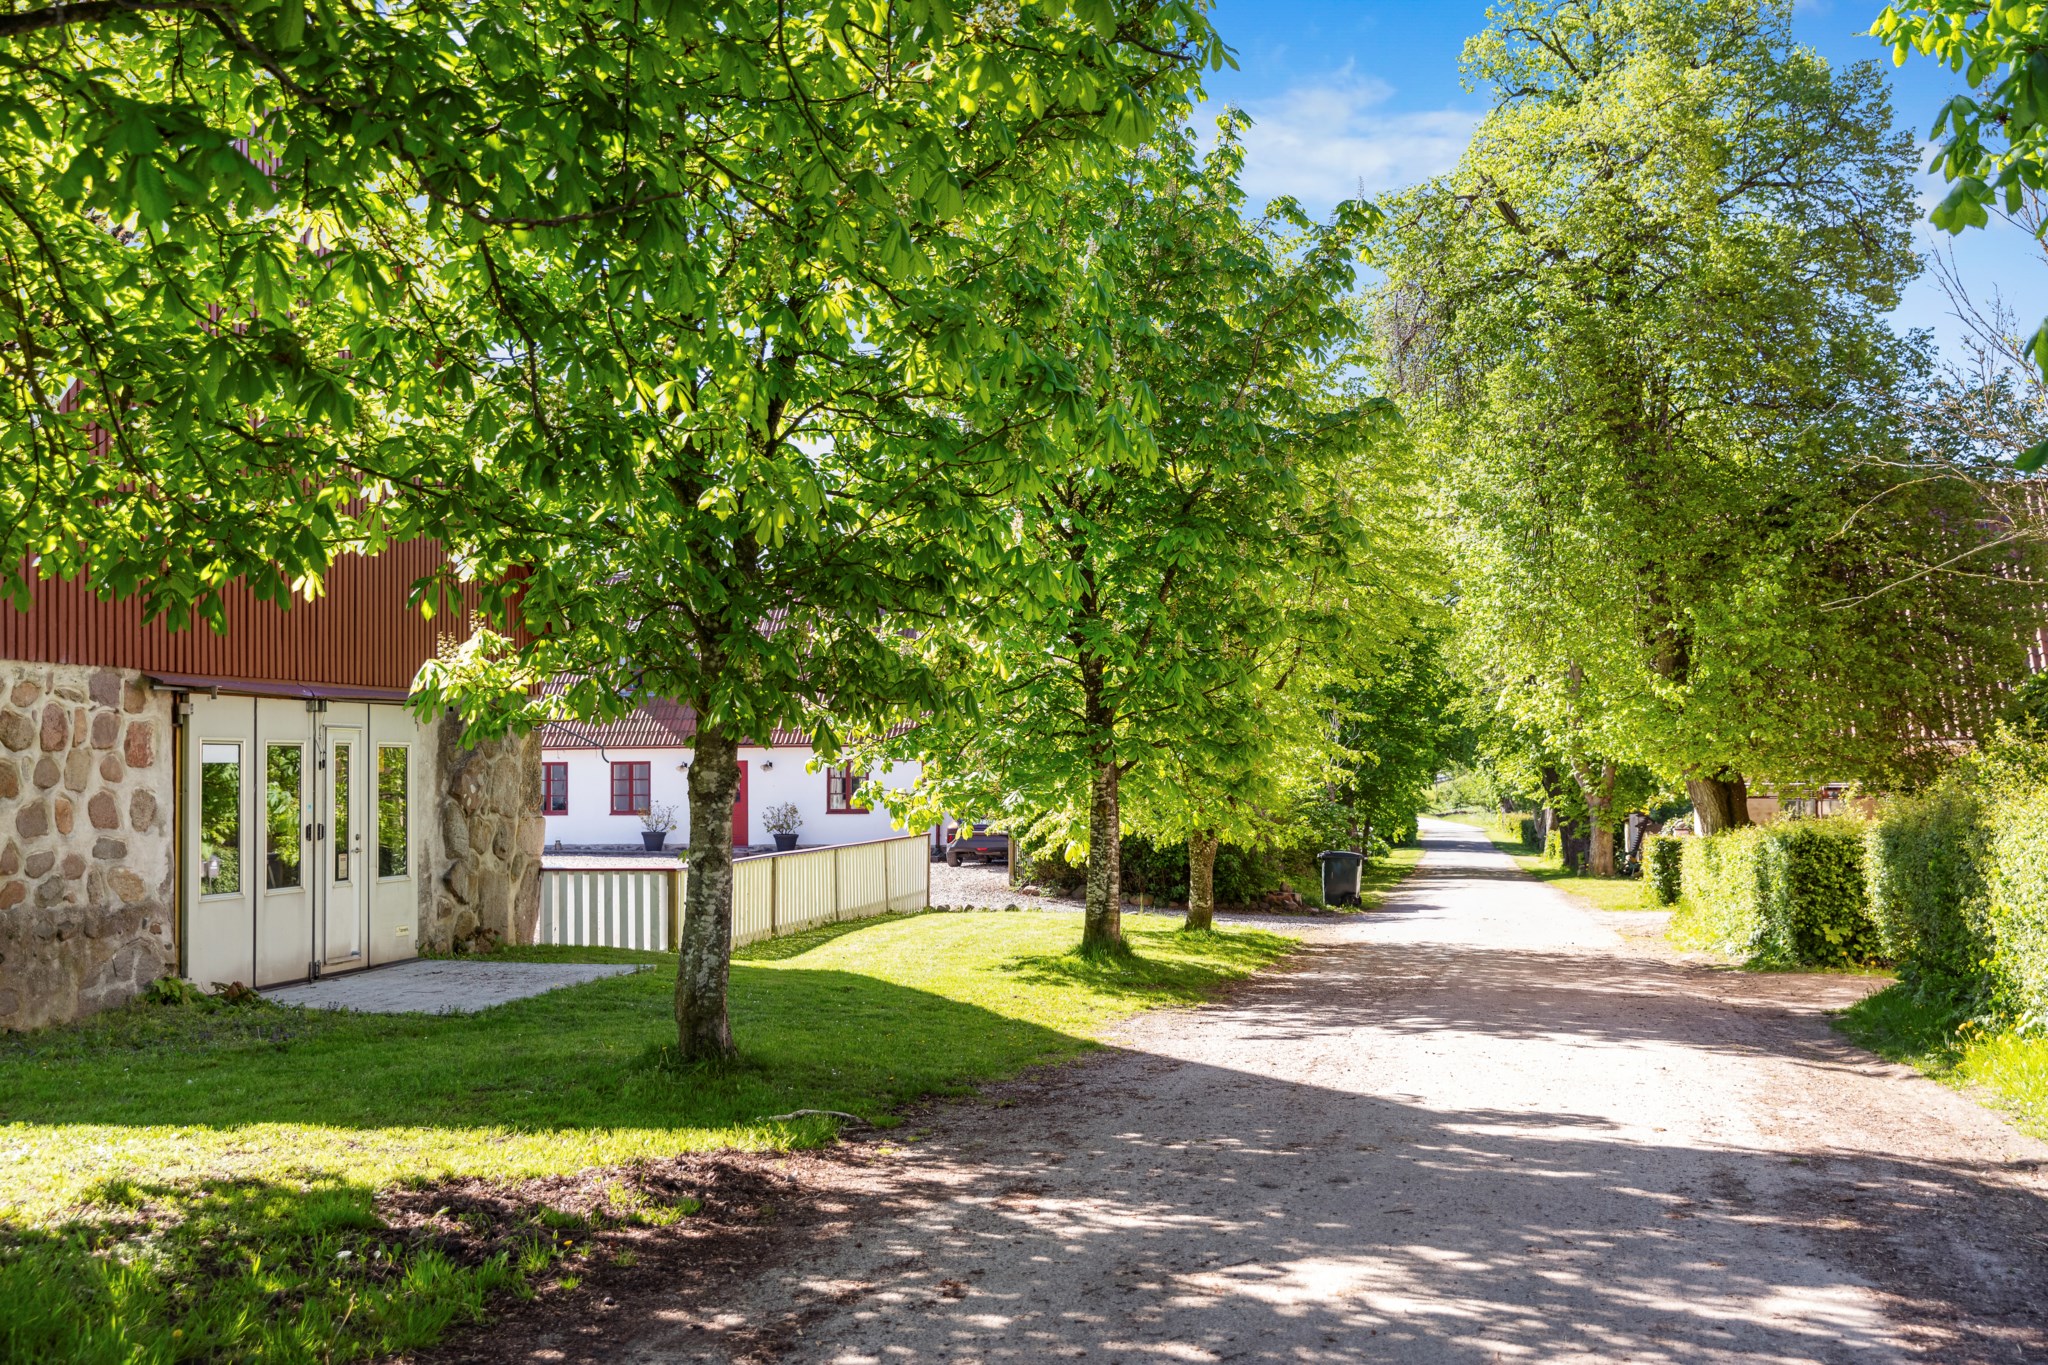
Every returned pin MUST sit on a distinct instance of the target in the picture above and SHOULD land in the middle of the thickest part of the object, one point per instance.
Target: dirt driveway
(1473, 1126)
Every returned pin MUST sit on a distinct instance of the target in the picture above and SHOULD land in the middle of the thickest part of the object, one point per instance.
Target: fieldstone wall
(86, 801)
(484, 840)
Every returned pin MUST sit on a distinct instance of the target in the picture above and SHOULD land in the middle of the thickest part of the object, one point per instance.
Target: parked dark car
(979, 842)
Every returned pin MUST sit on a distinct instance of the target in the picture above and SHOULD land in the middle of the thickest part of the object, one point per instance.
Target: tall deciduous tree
(241, 244)
(1142, 610)
(727, 444)
(674, 319)
(1642, 324)
(205, 333)
(1318, 595)
(1394, 731)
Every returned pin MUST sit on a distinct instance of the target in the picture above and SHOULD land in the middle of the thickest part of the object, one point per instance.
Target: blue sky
(1367, 92)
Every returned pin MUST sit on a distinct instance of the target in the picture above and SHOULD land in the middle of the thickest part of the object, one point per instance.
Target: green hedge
(1159, 871)
(2017, 910)
(1923, 860)
(1959, 885)
(1721, 893)
(1526, 827)
(1660, 857)
(1785, 894)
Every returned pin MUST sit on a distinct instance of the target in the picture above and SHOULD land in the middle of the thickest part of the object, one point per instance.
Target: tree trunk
(1102, 927)
(1722, 800)
(1201, 880)
(702, 1033)
(1598, 791)
(1600, 813)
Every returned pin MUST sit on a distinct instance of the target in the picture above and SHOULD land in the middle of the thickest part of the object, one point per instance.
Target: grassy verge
(1601, 893)
(1379, 877)
(2009, 1071)
(202, 1181)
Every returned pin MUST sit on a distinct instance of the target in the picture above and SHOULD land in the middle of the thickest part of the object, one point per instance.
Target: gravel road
(1476, 1125)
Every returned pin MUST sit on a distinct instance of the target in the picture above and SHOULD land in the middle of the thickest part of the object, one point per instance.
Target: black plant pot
(784, 842)
(653, 839)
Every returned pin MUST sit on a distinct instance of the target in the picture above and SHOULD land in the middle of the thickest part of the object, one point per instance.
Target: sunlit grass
(1382, 875)
(2008, 1069)
(130, 1139)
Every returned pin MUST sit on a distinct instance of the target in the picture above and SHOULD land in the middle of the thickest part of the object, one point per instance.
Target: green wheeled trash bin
(1340, 876)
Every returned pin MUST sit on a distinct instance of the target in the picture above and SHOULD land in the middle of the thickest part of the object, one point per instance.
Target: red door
(739, 810)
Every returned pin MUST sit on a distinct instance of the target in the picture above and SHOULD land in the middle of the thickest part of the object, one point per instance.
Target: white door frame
(245, 929)
(344, 918)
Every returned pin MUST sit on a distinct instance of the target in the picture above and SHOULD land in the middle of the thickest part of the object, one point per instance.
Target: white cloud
(1333, 139)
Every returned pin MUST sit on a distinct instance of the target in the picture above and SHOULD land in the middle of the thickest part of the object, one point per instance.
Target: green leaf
(288, 25)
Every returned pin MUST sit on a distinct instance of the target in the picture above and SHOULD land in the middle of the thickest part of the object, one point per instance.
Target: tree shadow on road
(1137, 1207)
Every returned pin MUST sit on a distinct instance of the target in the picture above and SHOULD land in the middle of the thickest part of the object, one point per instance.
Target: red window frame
(841, 787)
(637, 788)
(554, 789)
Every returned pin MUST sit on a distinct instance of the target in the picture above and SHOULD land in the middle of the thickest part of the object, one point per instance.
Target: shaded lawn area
(2008, 1071)
(200, 1181)
(1602, 893)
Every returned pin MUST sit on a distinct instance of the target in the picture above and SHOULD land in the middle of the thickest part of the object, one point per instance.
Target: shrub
(1527, 827)
(1159, 871)
(1721, 894)
(1660, 856)
(1819, 910)
(1959, 885)
(1553, 847)
(1923, 860)
(2016, 909)
(1779, 895)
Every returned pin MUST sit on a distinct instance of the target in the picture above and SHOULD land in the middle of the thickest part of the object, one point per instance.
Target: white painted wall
(773, 777)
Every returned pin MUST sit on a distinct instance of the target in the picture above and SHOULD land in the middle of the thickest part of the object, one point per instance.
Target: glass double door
(279, 885)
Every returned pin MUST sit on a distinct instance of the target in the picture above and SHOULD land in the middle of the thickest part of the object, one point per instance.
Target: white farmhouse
(597, 779)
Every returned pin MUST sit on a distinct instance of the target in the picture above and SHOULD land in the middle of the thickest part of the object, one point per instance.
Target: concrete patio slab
(440, 986)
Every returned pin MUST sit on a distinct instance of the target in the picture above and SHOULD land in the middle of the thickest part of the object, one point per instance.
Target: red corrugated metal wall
(359, 634)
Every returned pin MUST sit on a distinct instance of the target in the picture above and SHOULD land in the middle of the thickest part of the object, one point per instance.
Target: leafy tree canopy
(1641, 328)
(1171, 589)
(1995, 140)
(282, 270)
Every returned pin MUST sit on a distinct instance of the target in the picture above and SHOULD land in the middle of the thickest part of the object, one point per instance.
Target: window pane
(393, 834)
(344, 755)
(842, 791)
(631, 787)
(282, 766)
(220, 819)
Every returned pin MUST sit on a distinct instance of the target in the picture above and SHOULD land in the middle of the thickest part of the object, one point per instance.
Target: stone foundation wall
(86, 802)
(484, 840)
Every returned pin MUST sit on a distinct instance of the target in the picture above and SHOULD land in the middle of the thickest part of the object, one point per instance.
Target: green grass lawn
(199, 1181)
(1602, 893)
(2007, 1070)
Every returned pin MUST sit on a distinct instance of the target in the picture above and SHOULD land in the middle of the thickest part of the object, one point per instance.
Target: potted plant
(656, 821)
(783, 822)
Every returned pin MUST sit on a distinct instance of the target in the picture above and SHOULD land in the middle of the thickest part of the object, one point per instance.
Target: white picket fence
(777, 894)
